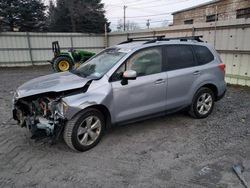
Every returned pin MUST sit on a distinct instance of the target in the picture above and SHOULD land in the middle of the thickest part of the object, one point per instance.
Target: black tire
(71, 130)
(58, 60)
(194, 109)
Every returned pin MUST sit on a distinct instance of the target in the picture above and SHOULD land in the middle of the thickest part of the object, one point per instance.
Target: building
(216, 10)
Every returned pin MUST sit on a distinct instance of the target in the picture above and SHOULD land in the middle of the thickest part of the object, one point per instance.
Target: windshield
(100, 64)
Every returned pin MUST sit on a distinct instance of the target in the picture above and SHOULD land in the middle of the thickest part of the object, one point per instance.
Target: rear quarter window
(203, 54)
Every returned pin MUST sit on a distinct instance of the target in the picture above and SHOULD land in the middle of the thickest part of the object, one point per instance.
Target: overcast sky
(157, 11)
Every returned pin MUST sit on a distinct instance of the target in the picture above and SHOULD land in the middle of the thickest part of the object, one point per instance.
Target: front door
(145, 95)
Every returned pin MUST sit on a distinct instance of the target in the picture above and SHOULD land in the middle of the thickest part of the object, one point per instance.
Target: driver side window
(144, 62)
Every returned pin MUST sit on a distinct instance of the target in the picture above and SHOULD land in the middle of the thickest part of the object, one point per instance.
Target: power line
(136, 3)
(168, 13)
(145, 15)
(133, 2)
(157, 21)
(177, 10)
(142, 7)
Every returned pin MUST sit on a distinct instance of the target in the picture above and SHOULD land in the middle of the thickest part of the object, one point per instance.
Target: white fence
(231, 40)
(19, 49)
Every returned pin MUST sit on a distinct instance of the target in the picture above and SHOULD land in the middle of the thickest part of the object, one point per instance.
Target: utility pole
(106, 36)
(124, 17)
(148, 23)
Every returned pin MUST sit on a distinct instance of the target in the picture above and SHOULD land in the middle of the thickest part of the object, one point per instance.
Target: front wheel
(85, 130)
(203, 103)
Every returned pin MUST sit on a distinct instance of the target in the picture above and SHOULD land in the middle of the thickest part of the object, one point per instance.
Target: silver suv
(137, 79)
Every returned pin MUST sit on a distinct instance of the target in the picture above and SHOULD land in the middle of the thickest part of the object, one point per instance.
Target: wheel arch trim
(209, 84)
(102, 108)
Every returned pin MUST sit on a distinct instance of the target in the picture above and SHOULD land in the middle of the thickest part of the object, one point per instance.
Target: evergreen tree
(59, 17)
(50, 15)
(25, 15)
(77, 16)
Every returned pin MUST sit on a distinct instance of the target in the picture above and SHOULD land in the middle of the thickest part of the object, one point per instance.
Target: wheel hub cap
(63, 65)
(89, 130)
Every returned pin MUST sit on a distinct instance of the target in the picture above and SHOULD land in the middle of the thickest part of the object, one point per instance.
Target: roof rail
(197, 38)
(162, 38)
(144, 38)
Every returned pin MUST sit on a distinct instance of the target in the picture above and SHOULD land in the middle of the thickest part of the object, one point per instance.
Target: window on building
(203, 55)
(189, 21)
(212, 18)
(243, 13)
(179, 57)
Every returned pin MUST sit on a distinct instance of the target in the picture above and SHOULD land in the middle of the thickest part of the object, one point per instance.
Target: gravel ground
(171, 151)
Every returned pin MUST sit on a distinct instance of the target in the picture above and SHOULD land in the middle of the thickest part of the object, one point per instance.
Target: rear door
(182, 71)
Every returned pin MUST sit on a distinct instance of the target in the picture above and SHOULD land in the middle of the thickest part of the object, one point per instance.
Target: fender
(73, 111)
(198, 86)
(96, 95)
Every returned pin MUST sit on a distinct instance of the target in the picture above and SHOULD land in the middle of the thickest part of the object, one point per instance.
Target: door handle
(159, 81)
(196, 72)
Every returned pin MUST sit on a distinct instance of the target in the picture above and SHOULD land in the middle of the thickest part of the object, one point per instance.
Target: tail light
(222, 67)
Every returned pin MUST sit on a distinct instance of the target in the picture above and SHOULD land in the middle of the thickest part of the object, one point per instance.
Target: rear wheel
(203, 103)
(85, 130)
(62, 64)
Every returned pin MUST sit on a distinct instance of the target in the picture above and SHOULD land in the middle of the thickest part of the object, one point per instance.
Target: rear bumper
(219, 97)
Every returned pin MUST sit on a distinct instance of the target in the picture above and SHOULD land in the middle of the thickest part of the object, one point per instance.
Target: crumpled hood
(56, 82)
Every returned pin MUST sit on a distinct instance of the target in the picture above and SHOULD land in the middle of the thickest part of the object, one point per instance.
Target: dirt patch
(171, 151)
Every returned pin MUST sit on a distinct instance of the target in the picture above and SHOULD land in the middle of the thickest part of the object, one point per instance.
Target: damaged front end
(43, 115)
(39, 103)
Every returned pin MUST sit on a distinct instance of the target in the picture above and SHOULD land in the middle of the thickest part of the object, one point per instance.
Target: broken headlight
(62, 108)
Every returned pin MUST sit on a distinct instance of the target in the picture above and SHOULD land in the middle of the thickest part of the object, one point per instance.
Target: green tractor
(65, 61)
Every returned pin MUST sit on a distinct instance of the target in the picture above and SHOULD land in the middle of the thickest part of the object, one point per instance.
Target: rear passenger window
(179, 57)
(203, 54)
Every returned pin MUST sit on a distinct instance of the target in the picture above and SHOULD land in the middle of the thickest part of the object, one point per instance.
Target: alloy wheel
(89, 130)
(204, 103)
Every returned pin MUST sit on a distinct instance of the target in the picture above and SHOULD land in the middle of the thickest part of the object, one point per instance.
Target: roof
(131, 45)
(197, 6)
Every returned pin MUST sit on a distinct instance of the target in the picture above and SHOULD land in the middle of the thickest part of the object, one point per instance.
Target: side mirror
(128, 75)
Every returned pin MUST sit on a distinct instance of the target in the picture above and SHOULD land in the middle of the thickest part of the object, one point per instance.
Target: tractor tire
(62, 64)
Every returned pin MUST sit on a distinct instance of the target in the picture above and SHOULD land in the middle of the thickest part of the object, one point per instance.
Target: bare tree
(130, 25)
